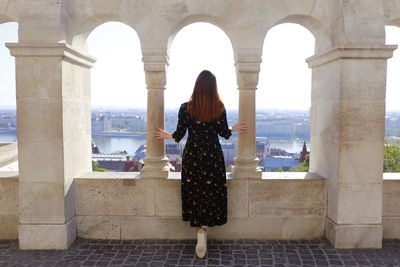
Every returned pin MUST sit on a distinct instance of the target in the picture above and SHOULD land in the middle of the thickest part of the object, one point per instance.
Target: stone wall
(391, 205)
(281, 205)
(9, 214)
(275, 207)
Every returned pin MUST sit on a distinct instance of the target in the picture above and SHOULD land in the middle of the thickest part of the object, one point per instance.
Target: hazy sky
(118, 76)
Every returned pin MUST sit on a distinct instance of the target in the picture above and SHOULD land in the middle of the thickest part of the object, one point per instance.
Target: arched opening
(118, 98)
(8, 119)
(392, 117)
(284, 99)
(197, 47)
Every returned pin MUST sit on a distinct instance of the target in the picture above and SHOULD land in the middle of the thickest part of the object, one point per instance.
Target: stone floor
(89, 252)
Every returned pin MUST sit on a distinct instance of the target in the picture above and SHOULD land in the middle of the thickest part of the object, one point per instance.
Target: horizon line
(175, 109)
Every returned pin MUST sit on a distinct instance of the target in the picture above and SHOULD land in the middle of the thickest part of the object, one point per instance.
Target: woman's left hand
(161, 134)
(239, 127)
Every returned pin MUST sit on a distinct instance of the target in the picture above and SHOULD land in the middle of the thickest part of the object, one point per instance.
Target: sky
(117, 79)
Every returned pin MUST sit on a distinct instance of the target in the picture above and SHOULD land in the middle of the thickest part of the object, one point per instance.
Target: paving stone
(88, 252)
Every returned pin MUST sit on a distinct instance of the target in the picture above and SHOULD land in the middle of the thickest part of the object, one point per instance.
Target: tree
(96, 168)
(391, 160)
(120, 152)
(229, 169)
(303, 166)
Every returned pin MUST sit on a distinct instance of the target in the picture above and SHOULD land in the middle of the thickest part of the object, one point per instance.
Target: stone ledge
(391, 176)
(109, 175)
(9, 175)
(351, 52)
(177, 175)
(291, 175)
(66, 51)
(8, 153)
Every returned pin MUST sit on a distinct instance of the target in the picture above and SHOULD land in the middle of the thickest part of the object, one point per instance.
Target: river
(113, 144)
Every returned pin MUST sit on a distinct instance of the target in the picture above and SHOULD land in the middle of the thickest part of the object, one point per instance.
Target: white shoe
(201, 246)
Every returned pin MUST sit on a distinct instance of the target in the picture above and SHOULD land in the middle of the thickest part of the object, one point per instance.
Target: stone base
(353, 236)
(391, 227)
(148, 172)
(244, 172)
(152, 227)
(47, 236)
(155, 167)
(9, 226)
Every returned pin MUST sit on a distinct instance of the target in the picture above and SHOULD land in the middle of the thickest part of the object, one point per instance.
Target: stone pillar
(155, 161)
(347, 135)
(246, 161)
(53, 117)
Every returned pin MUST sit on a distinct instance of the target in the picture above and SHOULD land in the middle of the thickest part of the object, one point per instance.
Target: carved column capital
(155, 68)
(247, 70)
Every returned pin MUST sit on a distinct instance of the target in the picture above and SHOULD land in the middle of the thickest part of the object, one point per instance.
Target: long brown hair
(205, 104)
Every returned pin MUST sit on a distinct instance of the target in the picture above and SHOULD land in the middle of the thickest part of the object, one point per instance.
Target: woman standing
(203, 188)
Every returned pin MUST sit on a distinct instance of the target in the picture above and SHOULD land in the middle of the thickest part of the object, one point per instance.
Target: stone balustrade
(123, 206)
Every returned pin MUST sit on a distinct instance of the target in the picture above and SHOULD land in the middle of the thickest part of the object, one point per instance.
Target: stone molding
(351, 52)
(155, 63)
(346, 236)
(47, 236)
(247, 69)
(248, 64)
(63, 50)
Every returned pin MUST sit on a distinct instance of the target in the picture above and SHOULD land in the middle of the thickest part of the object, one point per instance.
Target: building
(229, 151)
(113, 163)
(95, 148)
(303, 153)
(133, 164)
(261, 152)
(101, 124)
(174, 154)
(273, 164)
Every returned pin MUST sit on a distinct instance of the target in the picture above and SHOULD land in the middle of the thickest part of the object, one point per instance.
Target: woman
(203, 189)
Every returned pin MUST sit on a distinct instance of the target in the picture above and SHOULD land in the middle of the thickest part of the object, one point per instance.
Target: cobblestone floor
(89, 252)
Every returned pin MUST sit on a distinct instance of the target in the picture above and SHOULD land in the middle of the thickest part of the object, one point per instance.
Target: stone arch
(392, 12)
(197, 18)
(4, 19)
(394, 22)
(322, 40)
(79, 39)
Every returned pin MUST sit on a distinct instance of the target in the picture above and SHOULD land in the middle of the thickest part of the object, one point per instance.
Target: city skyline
(113, 89)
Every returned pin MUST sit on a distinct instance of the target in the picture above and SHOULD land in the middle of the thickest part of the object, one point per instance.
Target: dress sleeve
(182, 124)
(223, 129)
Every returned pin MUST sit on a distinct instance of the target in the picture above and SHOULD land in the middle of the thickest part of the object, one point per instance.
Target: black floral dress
(203, 188)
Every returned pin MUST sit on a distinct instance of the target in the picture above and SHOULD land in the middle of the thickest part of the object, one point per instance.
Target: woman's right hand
(239, 127)
(162, 134)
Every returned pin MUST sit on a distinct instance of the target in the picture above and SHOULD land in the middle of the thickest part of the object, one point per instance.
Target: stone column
(53, 117)
(155, 161)
(246, 161)
(347, 135)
